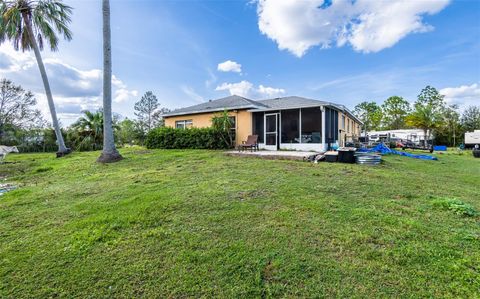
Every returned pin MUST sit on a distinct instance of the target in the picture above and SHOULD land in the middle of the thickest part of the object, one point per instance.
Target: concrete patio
(273, 155)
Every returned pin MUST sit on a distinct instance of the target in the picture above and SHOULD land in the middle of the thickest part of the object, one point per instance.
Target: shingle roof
(291, 103)
(230, 102)
(295, 102)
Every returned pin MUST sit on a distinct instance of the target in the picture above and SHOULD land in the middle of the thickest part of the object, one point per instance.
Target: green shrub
(457, 206)
(190, 138)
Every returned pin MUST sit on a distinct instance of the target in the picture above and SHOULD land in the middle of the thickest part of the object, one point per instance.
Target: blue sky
(345, 52)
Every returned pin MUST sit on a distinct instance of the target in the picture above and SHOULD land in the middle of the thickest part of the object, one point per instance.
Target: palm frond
(3, 9)
(48, 19)
(50, 16)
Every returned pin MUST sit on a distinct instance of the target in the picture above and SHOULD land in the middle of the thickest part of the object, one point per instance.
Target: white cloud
(462, 96)
(73, 89)
(122, 93)
(243, 88)
(230, 66)
(247, 89)
(368, 26)
(68, 108)
(270, 91)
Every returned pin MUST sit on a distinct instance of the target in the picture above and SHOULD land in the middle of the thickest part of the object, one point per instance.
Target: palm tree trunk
(62, 149)
(109, 153)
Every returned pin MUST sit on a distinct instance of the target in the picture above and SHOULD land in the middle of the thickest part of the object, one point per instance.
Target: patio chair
(251, 143)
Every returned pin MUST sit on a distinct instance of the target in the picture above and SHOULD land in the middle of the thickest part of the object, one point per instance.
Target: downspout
(236, 129)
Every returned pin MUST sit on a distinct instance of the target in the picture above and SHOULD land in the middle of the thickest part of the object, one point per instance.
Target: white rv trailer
(472, 138)
(414, 135)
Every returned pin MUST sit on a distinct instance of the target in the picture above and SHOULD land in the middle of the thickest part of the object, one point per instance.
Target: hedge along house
(289, 123)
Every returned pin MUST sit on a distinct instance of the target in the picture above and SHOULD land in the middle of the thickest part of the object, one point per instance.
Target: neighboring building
(414, 135)
(282, 123)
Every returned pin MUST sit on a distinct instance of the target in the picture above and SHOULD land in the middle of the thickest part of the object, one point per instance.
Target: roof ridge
(228, 102)
(250, 101)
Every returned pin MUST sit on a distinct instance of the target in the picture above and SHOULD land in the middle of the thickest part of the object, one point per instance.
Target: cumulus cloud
(122, 93)
(243, 88)
(68, 108)
(463, 96)
(247, 89)
(270, 91)
(229, 66)
(73, 89)
(368, 26)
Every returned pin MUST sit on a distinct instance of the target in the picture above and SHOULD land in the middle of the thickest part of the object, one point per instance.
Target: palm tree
(87, 131)
(90, 126)
(428, 113)
(28, 24)
(109, 153)
(422, 118)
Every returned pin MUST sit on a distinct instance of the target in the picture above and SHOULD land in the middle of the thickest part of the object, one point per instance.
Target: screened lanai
(309, 128)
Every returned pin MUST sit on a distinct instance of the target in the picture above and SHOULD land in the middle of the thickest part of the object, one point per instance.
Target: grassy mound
(171, 223)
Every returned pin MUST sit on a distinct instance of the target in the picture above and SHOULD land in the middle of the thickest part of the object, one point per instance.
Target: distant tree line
(23, 125)
(429, 112)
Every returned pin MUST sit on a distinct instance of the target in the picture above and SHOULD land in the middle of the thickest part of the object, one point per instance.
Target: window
(343, 122)
(183, 124)
(290, 120)
(348, 125)
(311, 125)
(233, 128)
(232, 121)
(258, 126)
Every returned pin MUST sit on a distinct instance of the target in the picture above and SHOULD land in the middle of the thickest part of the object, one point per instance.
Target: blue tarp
(439, 147)
(384, 150)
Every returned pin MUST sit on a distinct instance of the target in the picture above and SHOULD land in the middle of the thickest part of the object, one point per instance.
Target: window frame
(184, 124)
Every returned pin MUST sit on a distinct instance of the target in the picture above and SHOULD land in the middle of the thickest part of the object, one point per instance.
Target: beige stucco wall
(243, 122)
(354, 129)
(198, 120)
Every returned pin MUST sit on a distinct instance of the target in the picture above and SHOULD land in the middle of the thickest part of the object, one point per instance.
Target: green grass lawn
(200, 224)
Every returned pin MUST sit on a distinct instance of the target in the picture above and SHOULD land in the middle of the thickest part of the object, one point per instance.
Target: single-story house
(292, 123)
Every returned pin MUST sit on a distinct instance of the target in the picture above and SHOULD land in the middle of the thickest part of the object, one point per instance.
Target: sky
(187, 52)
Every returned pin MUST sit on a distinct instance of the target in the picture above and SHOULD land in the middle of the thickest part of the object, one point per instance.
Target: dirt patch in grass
(268, 272)
(251, 195)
